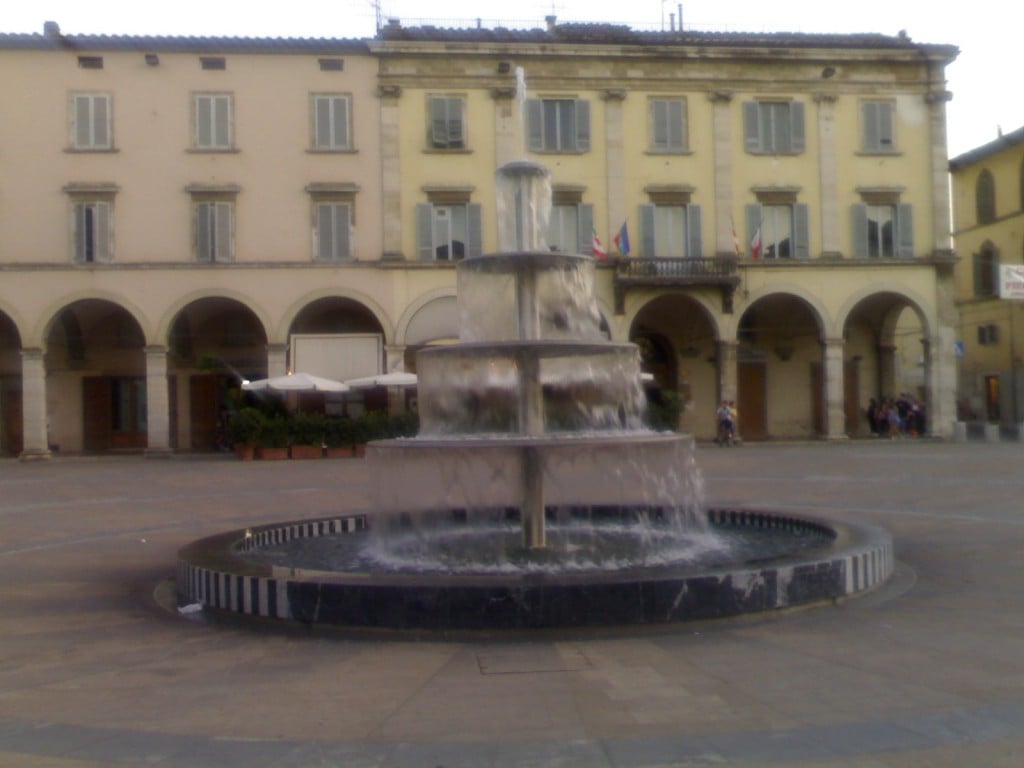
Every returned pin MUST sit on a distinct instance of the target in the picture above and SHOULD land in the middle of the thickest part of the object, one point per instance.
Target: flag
(735, 240)
(755, 244)
(621, 240)
(596, 248)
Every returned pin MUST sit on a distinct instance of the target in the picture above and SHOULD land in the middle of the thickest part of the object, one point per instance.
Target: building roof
(1006, 141)
(393, 31)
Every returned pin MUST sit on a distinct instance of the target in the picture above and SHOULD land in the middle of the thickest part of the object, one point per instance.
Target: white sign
(1011, 281)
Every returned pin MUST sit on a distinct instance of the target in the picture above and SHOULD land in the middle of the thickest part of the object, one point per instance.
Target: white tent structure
(295, 382)
(393, 379)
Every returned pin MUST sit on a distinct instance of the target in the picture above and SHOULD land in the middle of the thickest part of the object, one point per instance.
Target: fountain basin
(217, 572)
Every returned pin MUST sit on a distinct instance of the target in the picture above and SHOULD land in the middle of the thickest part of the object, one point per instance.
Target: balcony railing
(647, 272)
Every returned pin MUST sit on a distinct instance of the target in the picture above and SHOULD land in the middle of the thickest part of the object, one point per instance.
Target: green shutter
(343, 231)
(474, 229)
(323, 122)
(324, 232)
(455, 133)
(751, 126)
(797, 132)
(859, 230)
(694, 238)
(582, 125)
(647, 231)
(101, 223)
(438, 122)
(425, 231)
(677, 125)
(535, 125)
(585, 227)
(204, 120)
(870, 120)
(905, 230)
(222, 228)
(801, 231)
(339, 139)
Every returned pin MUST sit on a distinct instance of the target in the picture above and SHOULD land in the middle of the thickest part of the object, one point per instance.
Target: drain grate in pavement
(532, 661)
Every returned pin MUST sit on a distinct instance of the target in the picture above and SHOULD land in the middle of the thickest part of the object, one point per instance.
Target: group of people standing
(893, 417)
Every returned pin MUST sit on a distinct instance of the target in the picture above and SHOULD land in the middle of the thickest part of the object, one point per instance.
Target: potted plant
(306, 433)
(244, 428)
(273, 440)
(338, 436)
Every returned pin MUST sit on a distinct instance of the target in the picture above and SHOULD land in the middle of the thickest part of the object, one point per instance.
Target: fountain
(534, 496)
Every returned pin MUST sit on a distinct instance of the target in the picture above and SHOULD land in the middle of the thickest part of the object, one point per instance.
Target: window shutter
(659, 125)
(203, 121)
(474, 230)
(324, 232)
(425, 231)
(222, 231)
(80, 233)
(694, 239)
(222, 121)
(585, 227)
(100, 132)
(905, 230)
(753, 216)
(647, 231)
(582, 125)
(340, 137)
(751, 126)
(203, 214)
(323, 122)
(797, 134)
(438, 122)
(83, 121)
(859, 227)
(801, 231)
(101, 224)
(677, 125)
(535, 125)
(343, 231)
(455, 134)
(872, 141)
(977, 262)
(993, 266)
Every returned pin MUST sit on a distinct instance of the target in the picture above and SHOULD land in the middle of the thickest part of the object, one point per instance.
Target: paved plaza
(98, 669)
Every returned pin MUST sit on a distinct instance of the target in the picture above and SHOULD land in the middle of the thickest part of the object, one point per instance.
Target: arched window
(985, 197)
(986, 271)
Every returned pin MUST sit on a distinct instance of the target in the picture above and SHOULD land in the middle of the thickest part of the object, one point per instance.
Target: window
(988, 335)
(877, 123)
(986, 271)
(668, 125)
(778, 231)
(92, 234)
(331, 122)
(883, 231)
(446, 122)
(90, 114)
(448, 232)
(213, 129)
(558, 125)
(213, 62)
(333, 231)
(773, 127)
(985, 197)
(213, 223)
(671, 231)
(571, 228)
(332, 65)
(90, 62)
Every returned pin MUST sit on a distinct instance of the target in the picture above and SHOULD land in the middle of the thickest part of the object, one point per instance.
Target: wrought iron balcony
(666, 273)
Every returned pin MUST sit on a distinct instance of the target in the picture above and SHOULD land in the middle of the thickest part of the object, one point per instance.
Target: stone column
(721, 128)
(391, 170)
(940, 375)
(834, 391)
(615, 160)
(158, 414)
(35, 439)
(829, 176)
(727, 371)
(277, 360)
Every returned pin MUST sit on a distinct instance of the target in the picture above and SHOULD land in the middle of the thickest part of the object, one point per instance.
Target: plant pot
(271, 454)
(306, 452)
(245, 451)
(339, 452)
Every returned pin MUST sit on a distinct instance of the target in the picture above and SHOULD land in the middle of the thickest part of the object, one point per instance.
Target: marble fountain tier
(533, 496)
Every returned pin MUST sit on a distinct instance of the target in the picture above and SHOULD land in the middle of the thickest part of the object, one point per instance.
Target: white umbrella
(295, 382)
(393, 379)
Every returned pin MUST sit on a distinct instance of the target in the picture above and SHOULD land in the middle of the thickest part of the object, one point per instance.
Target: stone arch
(48, 316)
(413, 325)
(346, 298)
(170, 315)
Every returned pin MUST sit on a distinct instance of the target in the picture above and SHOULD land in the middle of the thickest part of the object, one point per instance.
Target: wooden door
(204, 404)
(752, 400)
(11, 427)
(851, 398)
(97, 413)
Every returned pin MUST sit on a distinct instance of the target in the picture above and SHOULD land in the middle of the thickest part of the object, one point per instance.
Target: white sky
(984, 31)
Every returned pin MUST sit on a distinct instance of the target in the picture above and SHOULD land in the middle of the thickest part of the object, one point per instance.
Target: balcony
(718, 271)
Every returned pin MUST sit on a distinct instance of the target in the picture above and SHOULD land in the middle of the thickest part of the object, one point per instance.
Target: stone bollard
(959, 431)
(991, 433)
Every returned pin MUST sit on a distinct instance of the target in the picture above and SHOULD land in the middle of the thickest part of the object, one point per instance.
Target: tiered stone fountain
(533, 496)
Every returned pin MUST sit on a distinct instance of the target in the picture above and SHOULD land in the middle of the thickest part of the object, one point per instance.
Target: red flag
(596, 248)
(755, 244)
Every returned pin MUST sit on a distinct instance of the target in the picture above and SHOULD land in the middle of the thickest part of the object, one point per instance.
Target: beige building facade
(988, 204)
(176, 214)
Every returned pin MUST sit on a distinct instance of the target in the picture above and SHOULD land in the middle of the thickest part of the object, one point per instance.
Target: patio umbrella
(295, 382)
(393, 379)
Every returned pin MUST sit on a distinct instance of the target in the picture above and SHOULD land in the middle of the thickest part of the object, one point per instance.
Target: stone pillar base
(34, 455)
(158, 453)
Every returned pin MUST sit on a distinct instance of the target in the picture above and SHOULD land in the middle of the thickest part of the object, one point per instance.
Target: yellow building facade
(178, 214)
(988, 204)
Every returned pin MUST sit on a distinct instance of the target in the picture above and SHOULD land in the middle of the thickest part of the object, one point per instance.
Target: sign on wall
(1011, 281)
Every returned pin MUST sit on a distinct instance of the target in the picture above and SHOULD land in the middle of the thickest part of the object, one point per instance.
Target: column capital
(32, 353)
(155, 349)
(938, 97)
(614, 94)
(501, 92)
(389, 91)
(720, 97)
(825, 98)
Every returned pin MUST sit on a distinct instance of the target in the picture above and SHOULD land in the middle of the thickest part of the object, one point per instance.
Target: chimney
(551, 22)
(51, 29)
